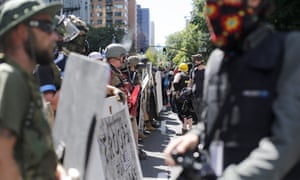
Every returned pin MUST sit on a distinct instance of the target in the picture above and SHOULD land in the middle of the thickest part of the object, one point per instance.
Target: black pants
(198, 107)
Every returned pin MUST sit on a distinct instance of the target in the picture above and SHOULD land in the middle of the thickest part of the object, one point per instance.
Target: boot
(142, 135)
(142, 154)
(148, 126)
(155, 123)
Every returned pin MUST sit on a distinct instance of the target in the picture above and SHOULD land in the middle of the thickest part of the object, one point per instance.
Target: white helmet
(95, 55)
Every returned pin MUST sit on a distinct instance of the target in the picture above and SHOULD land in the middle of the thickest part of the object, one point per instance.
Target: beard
(38, 55)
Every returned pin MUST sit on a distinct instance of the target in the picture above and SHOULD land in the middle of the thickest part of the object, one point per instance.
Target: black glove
(121, 97)
(195, 166)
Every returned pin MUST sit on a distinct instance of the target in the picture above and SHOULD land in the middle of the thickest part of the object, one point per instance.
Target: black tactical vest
(183, 82)
(252, 81)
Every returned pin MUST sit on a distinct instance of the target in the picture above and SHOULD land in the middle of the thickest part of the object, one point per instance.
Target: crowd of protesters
(35, 45)
(239, 91)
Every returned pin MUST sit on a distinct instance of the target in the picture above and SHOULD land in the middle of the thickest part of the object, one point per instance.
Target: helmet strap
(31, 50)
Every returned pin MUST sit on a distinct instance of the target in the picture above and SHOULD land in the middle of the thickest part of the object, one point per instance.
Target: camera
(195, 165)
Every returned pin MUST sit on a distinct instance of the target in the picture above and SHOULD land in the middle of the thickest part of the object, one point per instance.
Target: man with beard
(251, 89)
(27, 38)
(50, 75)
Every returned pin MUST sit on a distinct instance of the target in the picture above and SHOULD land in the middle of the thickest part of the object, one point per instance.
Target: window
(119, 6)
(119, 22)
(118, 13)
(108, 23)
(99, 21)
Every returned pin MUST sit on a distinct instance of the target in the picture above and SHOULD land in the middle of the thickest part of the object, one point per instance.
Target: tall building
(120, 14)
(109, 13)
(80, 8)
(152, 34)
(143, 29)
(132, 23)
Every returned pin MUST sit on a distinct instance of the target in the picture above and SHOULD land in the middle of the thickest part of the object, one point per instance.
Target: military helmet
(79, 43)
(144, 59)
(115, 50)
(79, 23)
(14, 12)
(197, 57)
(183, 67)
(65, 28)
(133, 60)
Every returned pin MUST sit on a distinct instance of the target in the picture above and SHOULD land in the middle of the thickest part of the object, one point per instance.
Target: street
(154, 167)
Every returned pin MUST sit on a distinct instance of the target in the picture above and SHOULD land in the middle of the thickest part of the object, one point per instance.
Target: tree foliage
(191, 40)
(195, 36)
(180, 46)
(99, 38)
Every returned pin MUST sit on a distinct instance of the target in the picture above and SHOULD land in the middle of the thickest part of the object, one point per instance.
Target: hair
(6, 41)
(265, 8)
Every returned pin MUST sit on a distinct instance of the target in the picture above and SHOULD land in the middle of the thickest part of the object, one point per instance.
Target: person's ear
(21, 31)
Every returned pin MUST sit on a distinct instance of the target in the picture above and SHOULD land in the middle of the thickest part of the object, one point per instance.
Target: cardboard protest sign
(114, 143)
(82, 93)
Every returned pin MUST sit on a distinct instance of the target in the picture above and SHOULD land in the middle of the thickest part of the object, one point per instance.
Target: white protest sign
(159, 102)
(142, 99)
(81, 96)
(114, 141)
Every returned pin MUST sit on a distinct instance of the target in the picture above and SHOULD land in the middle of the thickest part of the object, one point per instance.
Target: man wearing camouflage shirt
(27, 39)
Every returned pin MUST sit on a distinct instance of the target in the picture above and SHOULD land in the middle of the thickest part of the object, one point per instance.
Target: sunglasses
(44, 25)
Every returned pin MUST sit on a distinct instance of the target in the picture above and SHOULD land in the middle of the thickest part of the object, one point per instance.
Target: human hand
(55, 100)
(121, 97)
(60, 173)
(181, 145)
(113, 91)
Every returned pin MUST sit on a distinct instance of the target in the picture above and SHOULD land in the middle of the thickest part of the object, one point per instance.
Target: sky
(169, 16)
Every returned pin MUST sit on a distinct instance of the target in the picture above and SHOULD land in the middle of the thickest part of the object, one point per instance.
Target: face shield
(66, 29)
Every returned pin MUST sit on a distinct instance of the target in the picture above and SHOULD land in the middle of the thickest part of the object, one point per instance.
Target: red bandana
(228, 21)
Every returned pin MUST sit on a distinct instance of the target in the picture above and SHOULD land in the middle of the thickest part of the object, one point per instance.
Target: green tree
(191, 40)
(99, 38)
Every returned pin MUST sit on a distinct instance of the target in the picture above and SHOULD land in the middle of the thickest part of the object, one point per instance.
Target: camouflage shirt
(21, 111)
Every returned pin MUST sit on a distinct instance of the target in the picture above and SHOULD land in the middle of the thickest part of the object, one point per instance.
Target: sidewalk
(154, 167)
